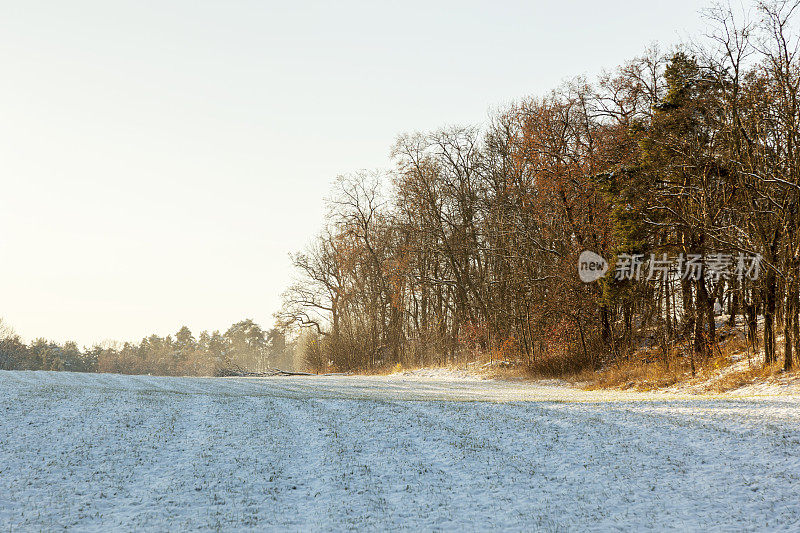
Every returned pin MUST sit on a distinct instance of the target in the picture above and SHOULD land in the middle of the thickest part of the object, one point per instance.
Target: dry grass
(645, 370)
(642, 373)
(651, 369)
(563, 365)
(748, 376)
(514, 371)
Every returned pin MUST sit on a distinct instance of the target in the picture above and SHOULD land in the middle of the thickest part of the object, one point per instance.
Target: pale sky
(159, 160)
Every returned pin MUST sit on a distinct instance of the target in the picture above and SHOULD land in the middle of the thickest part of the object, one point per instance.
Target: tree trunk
(734, 307)
(752, 323)
(688, 308)
(789, 322)
(796, 319)
(667, 309)
(699, 332)
(605, 325)
(769, 318)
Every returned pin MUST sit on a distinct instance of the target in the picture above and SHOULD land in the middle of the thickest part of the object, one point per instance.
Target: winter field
(99, 452)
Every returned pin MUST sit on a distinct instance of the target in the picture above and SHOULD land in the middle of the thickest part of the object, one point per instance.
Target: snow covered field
(99, 452)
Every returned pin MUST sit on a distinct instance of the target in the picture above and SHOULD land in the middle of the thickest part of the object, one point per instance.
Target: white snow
(99, 452)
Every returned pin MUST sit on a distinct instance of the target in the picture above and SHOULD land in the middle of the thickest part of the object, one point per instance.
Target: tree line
(468, 245)
(244, 346)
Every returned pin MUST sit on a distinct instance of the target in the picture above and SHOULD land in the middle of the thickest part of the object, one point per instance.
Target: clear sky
(159, 160)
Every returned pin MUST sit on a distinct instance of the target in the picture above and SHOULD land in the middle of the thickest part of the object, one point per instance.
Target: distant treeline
(469, 245)
(244, 346)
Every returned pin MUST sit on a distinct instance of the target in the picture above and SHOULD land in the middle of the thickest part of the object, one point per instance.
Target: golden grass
(644, 370)
(748, 376)
(520, 371)
(641, 373)
(650, 369)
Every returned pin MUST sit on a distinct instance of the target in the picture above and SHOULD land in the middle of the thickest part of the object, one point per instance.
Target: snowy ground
(99, 452)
